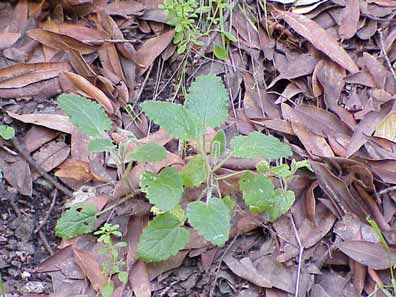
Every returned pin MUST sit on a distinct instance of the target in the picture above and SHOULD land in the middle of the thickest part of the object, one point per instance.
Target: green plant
(6, 132)
(2, 290)
(187, 18)
(114, 265)
(379, 287)
(206, 105)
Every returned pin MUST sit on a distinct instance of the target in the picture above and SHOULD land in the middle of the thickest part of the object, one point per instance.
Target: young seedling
(113, 266)
(205, 106)
(6, 132)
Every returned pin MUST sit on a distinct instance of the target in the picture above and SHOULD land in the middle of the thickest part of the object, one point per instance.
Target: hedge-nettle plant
(205, 106)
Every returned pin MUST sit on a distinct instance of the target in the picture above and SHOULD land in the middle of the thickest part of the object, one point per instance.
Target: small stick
(40, 170)
(44, 221)
(300, 254)
(45, 242)
(386, 55)
(387, 190)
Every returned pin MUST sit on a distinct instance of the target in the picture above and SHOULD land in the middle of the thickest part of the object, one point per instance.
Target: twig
(300, 254)
(387, 190)
(44, 221)
(220, 262)
(45, 242)
(40, 170)
(385, 54)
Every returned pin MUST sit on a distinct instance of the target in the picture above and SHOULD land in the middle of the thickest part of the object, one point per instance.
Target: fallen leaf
(19, 176)
(372, 255)
(88, 89)
(320, 39)
(8, 39)
(75, 169)
(36, 136)
(51, 155)
(139, 280)
(52, 121)
(91, 268)
(349, 19)
(151, 49)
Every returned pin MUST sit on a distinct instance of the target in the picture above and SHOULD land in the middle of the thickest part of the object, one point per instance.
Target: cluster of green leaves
(6, 132)
(206, 105)
(114, 265)
(187, 16)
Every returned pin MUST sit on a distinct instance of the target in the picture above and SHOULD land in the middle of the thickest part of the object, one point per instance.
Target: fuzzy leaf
(147, 152)
(257, 191)
(195, 172)
(77, 220)
(162, 238)
(100, 145)
(6, 132)
(174, 118)
(163, 190)
(107, 289)
(218, 144)
(282, 201)
(208, 99)
(256, 144)
(88, 116)
(212, 220)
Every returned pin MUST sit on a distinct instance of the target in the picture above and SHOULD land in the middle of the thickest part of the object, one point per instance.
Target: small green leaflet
(212, 220)
(77, 220)
(163, 190)
(147, 152)
(195, 172)
(256, 144)
(2, 290)
(282, 201)
(100, 145)
(220, 52)
(162, 238)
(257, 191)
(174, 118)
(208, 99)
(218, 144)
(123, 276)
(107, 289)
(88, 116)
(6, 132)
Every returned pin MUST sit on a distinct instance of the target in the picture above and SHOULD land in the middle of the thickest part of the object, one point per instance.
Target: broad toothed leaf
(162, 238)
(77, 220)
(88, 116)
(257, 191)
(256, 144)
(212, 220)
(147, 152)
(174, 118)
(282, 201)
(195, 172)
(100, 145)
(208, 99)
(163, 190)
(218, 144)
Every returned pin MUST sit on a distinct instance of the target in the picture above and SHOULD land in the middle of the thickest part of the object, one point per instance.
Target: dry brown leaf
(320, 39)
(75, 169)
(59, 41)
(52, 121)
(151, 49)
(91, 268)
(90, 90)
(19, 176)
(349, 19)
(51, 155)
(139, 279)
(36, 136)
(8, 39)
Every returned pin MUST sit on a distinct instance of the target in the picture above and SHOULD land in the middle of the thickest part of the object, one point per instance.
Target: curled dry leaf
(85, 88)
(320, 39)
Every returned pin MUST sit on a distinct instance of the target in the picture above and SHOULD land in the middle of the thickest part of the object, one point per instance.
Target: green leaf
(174, 118)
(208, 99)
(257, 191)
(88, 116)
(256, 144)
(195, 172)
(295, 165)
(147, 152)
(229, 36)
(218, 144)
(212, 220)
(77, 220)
(262, 166)
(123, 276)
(281, 202)
(163, 190)
(6, 132)
(100, 145)
(281, 170)
(107, 289)
(162, 238)
(220, 52)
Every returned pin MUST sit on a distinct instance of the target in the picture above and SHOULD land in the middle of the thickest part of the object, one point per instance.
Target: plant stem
(230, 175)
